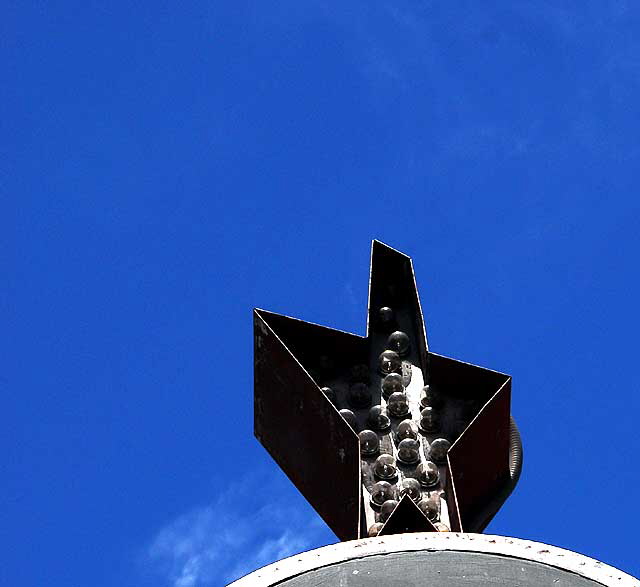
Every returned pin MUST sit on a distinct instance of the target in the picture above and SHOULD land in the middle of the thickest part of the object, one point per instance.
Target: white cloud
(217, 543)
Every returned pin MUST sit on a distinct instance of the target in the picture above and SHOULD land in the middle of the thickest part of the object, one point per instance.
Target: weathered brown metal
(477, 473)
(302, 429)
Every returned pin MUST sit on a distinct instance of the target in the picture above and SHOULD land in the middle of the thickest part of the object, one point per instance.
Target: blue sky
(167, 167)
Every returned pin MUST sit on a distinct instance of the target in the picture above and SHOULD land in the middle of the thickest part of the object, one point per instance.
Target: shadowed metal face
(381, 435)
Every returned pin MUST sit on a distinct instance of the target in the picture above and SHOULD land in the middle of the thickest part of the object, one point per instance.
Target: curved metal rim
(483, 543)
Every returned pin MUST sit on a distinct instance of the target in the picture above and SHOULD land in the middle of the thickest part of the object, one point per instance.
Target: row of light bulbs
(384, 494)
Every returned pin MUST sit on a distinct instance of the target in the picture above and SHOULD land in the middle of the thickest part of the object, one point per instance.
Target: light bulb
(385, 467)
(350, 418)
(430, 397)
(430, 507)
(438, 450)
(429, 420)
(398, 405)
(392, 383)
(409, 451)
(369, 443)
(406, 429)
(359, 395)
(381, 492)
(326, 363)
(331, 395)
(411, 487)
(428, 474)
(378, 419)
(389, 362)
(386, 317)
(359, 374)
(399, 342)
(374, 529)
(387, 508)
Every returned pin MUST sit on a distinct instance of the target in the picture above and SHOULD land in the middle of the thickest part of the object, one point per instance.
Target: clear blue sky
(166, 167)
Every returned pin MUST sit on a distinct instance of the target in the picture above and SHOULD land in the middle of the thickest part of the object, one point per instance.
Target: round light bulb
(411, 487)
(386, 317)
(399, 342)
(326, 363)
(430, 507)
(374, 529)
(331, 395)
(398, 405)
(369, 443)
(392, 383)
(429, 420)
(385, 467)
(428, 474)
(438, 450)
(350, 418)
(359, 395)
(359, 374)
(409, 451)
(406, 429)
(387, 508)
(429, 397)
(389, 362)
(378, 419)
(381, 492)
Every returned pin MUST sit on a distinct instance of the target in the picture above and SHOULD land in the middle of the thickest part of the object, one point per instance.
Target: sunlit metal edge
(438, 541)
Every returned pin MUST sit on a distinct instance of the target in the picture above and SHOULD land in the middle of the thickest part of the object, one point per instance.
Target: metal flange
(438, 560)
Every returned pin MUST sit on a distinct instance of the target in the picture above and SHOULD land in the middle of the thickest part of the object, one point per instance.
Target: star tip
(381, 246)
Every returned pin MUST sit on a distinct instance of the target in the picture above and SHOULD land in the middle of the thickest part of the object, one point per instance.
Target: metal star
(308, 376)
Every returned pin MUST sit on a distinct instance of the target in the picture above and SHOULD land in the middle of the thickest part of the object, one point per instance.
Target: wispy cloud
(217, 543)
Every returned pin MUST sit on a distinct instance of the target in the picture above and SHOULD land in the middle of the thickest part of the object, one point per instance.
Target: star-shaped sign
(381, 435)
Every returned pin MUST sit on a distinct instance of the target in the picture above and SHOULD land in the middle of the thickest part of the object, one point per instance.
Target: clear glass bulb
(369, 443)
(381, 492)
(430, 507)
(359, 374)
(331, 395)
(409, 451)
(411, 487)
(406, 429)
(374, 529)
(428, 474)
(429, 397)
(350, 418)
(386, 317)
(378, 419)
(385, 467)
(438, 450)
(429, 420)
(399, 342)
(389, 362)
(359, 395)
(387, 508)
(392, 383)
(398, 405)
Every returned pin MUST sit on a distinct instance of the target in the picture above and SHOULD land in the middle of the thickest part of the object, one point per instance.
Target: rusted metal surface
(302, 429)
(478, 475)
(439, 559)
